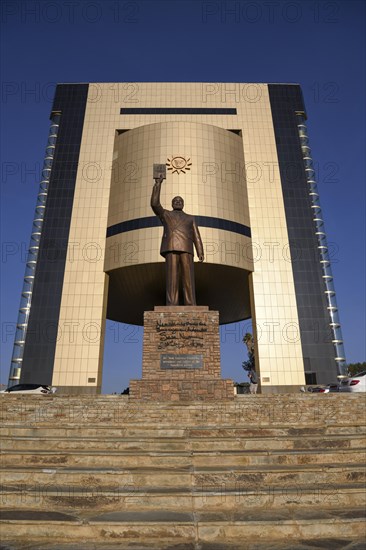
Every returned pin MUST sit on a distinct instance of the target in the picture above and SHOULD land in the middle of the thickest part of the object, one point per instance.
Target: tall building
(240, 157)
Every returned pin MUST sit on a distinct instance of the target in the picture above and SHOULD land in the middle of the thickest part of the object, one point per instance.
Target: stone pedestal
(181, 356)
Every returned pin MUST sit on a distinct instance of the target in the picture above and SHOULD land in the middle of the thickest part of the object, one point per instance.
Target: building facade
(239, 155)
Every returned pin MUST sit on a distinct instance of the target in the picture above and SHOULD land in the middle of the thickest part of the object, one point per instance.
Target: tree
(248, 340)
(355, 368)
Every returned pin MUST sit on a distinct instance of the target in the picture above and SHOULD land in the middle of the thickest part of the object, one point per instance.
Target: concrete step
(169, 432)
(190, 442)
(164, 527)
(179, 459)
(182, 477)
(77, 499)
(333, 543)
(297, 410)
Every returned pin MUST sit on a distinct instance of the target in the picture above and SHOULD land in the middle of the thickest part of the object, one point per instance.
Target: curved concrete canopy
(138, 288)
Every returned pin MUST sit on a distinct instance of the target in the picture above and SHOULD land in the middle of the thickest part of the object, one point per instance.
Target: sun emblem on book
(178, 164)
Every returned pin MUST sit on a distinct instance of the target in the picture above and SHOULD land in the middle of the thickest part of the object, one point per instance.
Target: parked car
(355, 383)
(333, 388)
(319, 389)
(329, 388)
(30, 389)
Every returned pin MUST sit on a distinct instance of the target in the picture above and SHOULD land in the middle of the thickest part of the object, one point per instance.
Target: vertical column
(305, 246)
(33, 252)
(279, 358)
(79, 348)
(327, 276)
(43, 323)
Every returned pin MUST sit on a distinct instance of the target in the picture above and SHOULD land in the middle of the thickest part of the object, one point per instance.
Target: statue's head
(178, 203)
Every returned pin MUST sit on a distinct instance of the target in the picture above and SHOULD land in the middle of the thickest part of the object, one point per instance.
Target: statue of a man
(180, 234)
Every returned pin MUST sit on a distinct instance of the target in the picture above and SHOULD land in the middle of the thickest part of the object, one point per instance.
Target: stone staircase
(261, 472)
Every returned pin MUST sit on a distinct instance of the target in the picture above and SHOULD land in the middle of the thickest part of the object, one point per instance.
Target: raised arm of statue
(155, 198)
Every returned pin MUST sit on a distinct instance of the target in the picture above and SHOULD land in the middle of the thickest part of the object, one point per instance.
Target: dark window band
(177, 111)
(202, 221)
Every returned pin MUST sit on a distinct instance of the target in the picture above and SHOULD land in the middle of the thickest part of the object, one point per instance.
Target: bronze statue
(180, 234)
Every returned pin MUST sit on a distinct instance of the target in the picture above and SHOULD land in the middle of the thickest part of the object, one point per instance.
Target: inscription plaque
(181, 361)
(178, 334)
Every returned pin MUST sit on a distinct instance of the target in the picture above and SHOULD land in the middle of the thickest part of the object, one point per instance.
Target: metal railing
(33, 251)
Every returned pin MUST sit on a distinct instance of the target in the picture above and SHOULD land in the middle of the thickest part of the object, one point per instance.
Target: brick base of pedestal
(181, 356)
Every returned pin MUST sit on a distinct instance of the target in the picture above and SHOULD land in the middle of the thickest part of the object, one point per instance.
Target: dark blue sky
(320, 45)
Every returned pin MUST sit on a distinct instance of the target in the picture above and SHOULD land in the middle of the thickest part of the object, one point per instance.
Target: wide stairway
(258, 473)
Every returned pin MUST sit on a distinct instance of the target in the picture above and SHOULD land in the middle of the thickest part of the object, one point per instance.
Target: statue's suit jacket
(180, 229)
